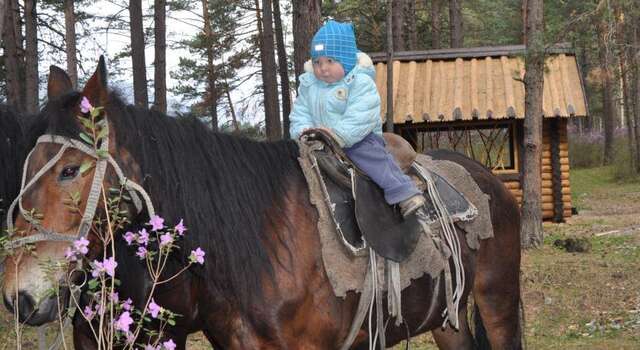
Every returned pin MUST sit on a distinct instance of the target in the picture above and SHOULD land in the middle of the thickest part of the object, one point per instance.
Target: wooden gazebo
(472, 100)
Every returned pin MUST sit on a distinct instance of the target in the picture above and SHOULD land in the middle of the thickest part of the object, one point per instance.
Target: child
(338, 93)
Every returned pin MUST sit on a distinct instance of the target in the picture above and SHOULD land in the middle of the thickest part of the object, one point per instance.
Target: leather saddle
(359, 209)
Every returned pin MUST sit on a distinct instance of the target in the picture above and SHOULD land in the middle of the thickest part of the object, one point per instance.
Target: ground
(571, 300)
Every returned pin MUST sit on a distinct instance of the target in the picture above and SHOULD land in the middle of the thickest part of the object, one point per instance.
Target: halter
(92, 200)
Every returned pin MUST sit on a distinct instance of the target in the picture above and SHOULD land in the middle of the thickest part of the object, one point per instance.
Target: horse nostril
(25, 305)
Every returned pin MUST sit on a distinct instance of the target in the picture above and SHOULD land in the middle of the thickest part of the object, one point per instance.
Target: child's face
(328, 70)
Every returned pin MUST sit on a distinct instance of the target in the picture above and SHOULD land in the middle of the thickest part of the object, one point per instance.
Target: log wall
(547, 173)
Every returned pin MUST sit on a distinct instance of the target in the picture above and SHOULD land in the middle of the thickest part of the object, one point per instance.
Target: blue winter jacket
(350, 107)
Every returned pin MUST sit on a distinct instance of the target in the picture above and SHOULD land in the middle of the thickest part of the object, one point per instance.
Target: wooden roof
(476, 83)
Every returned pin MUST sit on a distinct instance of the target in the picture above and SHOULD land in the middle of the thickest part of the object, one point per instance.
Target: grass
(572, 300)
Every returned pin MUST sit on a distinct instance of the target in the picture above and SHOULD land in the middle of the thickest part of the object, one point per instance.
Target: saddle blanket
(346, 271)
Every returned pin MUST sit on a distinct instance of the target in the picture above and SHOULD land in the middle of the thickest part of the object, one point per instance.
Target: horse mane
(229, 190)
(13, 145)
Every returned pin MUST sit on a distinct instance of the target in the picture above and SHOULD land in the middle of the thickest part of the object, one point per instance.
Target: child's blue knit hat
(338, 41)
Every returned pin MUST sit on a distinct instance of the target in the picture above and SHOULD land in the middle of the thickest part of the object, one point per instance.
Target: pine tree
(139, 65)
(70, 40)
(160, 62)
(531, 226)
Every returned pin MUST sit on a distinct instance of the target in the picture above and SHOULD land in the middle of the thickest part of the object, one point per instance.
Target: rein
(92, 200)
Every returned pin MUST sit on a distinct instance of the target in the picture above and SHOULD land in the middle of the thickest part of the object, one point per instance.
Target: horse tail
(480, 333)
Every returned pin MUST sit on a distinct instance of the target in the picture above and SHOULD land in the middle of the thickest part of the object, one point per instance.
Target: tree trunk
(608, 107)
(269, 78)
(212, 95)
(587, 124)
(140, 94)
(283, 69)
(531, 227)
(160, 61)
(626, 96)
(390, 45)
(70, 40)
(636, 93)
(13, 62)
(455, 23)
(410, 19)
(3, 14)
(436, 28)
(306, 21)
(397, 20)
(234, 119)
(31, 56)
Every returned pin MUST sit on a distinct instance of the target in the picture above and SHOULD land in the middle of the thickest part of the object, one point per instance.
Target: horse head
(58, 201)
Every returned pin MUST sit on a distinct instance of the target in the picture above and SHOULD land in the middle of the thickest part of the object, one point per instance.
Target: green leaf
(86, 166)
(93, 284)
(87, 123)
(102, 153)
(171, 322)
(95, 112)
(103, 132)
(86, 138)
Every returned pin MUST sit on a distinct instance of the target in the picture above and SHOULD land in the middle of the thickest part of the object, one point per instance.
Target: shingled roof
(476, 83)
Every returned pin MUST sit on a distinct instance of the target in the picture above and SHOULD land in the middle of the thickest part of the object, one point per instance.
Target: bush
(586, 150)
(623, 163)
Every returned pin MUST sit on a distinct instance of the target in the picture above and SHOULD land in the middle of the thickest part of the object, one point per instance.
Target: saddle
(361, 215)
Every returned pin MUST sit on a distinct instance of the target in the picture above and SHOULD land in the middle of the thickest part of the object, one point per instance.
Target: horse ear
(58, 84)
(96, 88)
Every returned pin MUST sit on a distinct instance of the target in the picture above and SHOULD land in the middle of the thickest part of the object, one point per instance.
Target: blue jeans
(371, 156)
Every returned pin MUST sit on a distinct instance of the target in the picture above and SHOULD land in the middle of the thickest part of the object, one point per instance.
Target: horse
(246, 203)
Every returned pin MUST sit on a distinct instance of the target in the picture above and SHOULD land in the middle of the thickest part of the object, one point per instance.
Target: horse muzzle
(30, 313)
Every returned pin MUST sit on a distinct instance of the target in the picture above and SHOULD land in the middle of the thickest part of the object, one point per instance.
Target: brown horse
(263, 284)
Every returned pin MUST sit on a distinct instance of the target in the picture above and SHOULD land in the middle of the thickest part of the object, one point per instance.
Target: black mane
(223, 186)
(14, 143)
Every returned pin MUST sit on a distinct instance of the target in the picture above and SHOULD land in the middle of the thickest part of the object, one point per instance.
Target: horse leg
(449, 338)
(496, 288)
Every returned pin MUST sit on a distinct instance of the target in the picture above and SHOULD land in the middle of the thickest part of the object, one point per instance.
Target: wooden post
(556, 172)
(389, 123)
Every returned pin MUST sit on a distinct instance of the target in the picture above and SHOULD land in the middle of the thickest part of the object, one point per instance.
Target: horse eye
(69, 172)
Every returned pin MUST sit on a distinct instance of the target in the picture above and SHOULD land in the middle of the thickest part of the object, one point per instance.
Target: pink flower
(110, 265)
(81, 245)
(169, 345)
(114, 297)
(70, 255)
(156, 222)
(85, 105)
(99, 309)
(142, 252)
(124, 321)
(88, 312)
(127, 305)
(129, 237)
(197, 256)
(130, 338)
(180, 228)
(98, 269)
(166, 239)
(143, 237)
(154, 308)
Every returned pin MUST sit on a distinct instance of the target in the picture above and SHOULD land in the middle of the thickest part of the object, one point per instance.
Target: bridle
(102, 161)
